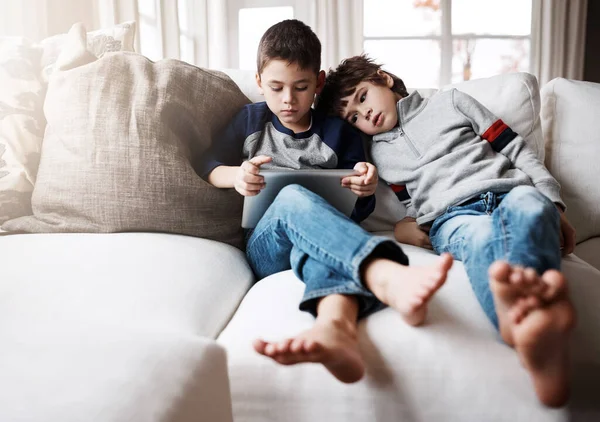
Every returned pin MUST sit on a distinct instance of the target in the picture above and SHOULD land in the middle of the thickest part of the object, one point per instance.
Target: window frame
(301, 12)
(446, 40)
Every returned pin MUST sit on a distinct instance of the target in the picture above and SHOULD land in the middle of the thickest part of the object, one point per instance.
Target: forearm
(223, 176)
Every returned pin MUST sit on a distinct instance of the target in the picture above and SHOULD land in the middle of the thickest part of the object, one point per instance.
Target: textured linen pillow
(120, 37)
(123, 135)
(22, 125)
(569, 113)
(514, 98)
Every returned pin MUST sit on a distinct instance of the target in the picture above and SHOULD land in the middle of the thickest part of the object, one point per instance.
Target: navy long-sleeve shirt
(329, 143)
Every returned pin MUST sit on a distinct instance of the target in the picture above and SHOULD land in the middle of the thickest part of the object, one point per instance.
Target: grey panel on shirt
(289, 152)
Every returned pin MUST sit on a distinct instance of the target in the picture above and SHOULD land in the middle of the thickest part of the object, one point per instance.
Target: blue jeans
(521, 227)
(323, 247)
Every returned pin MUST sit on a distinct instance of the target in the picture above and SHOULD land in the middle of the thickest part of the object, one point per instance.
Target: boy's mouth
(288, 112)
(377, 120)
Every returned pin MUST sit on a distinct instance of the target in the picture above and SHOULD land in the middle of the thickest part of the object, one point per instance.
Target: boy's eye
(276, 89)
(353, 119)
(301, 88)
(363, 98)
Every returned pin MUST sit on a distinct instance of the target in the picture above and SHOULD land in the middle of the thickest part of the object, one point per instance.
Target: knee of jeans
(529, 202)
(294, 198)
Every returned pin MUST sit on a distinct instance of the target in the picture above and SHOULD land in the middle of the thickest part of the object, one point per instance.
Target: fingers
(367, 174)
(361, 167)
(567, 236)
(427, 243)
(248, 189)
(569, 242)
(372, 175)
(248, 181)
(259, 160)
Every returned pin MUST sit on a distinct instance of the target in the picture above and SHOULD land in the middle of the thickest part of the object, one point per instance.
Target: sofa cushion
(22, 125)
(113, 327)
(119, 152)
(569, 113)
(120, 37)
(589, 251)
(454, 368)
(514, 98)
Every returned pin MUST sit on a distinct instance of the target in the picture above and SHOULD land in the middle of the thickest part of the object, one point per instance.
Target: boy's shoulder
(328, 122)
(256, 110)
(254, 115)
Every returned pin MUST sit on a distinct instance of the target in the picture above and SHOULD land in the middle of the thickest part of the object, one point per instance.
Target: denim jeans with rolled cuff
(325, 249)
(521, 227)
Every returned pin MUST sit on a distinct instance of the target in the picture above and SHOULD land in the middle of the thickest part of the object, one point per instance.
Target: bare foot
(332, 343)
(538, 326)
(404, 288)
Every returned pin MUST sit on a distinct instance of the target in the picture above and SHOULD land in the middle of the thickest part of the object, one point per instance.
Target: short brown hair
(343, 81)
(290, 40)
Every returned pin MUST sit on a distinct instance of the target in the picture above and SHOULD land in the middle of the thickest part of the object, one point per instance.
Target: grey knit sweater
(448, 149)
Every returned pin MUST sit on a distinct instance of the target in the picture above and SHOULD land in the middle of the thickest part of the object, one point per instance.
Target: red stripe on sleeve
(494, 130)
(397, 188)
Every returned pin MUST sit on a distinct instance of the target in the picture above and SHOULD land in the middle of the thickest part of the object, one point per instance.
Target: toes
(284, 346)
(516, 276)
(522, 307)
(297, 345)
(555, 282)
(270, 349)
(530, 276)
(259, 346)
(500, 271)
(311, 347)
(445, 262)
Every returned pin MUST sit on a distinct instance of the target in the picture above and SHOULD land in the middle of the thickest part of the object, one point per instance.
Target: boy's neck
(302, 125)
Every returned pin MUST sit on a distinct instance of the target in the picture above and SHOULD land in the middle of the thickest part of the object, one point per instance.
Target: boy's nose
(367, 113)
(288, 98)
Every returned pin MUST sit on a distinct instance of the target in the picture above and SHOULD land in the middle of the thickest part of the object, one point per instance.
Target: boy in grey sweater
(482, 195)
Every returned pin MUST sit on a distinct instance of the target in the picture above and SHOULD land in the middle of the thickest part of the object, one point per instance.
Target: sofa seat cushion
(452, 369)
(114, 327)
(589, 251)
(105, 372)
(152, 280)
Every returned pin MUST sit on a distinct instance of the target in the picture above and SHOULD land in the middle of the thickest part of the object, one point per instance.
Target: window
(249, 19)
(150, 28)
(187, 45)
(252, 25)
(429, 43)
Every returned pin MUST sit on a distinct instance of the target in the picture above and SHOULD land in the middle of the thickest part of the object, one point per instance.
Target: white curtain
(558, 39)
(338, 24)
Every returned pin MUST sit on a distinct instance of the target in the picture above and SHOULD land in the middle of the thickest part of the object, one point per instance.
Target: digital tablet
(326, 183)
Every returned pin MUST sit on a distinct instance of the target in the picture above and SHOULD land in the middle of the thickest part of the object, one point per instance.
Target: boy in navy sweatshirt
(348, 272)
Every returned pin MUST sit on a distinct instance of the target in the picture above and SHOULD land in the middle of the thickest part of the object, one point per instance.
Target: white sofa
(158, 327)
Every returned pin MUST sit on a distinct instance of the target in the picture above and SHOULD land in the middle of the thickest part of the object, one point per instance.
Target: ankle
(344, 325)
(376, 277)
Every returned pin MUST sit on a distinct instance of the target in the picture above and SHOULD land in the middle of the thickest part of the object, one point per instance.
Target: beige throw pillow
(22, 124)
(122, 137)
(120, 37)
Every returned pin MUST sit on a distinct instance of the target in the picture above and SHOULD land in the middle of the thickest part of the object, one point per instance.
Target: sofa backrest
(569, 110)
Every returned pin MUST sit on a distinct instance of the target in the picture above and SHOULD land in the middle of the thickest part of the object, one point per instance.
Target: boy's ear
(259, 83)
(320, 82)
(389, 81)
